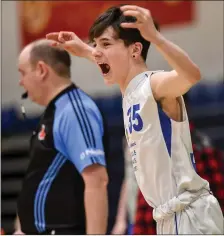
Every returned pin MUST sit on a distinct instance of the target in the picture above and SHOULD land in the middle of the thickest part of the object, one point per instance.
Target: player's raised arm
(184, 74)
(70, 42)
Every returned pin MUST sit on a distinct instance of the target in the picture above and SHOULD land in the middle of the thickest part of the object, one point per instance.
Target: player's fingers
(65, 36)
(52, 36)
(142, 12)
(129, 25)
(132, 8)
(58, 45)
(55, 44)
(136, 14)
(61, 37)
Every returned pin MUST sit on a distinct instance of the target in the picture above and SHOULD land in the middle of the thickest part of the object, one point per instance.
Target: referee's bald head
(58, 59)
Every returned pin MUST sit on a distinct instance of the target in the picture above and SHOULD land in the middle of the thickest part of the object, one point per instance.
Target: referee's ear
(42, 70)
(95, 176)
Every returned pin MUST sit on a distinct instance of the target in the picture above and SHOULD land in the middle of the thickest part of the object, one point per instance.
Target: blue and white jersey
(160, 148)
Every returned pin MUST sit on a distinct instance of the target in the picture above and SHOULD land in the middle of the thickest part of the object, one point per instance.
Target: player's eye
(106, 44)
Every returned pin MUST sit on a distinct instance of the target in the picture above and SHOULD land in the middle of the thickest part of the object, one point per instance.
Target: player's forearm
(85, 51)
(177, 59)
(88, 53)
(96, 207)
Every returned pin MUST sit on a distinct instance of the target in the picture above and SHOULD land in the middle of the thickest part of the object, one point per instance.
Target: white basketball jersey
(160, 148)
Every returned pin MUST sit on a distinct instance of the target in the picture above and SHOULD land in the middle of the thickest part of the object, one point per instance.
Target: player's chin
(108, 79)
(109, 82)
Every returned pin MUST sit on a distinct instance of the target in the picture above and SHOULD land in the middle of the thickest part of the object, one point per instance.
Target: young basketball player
(155, 117)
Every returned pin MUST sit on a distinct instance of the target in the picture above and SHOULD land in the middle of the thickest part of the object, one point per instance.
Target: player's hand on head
(144, 22)
(69, 41)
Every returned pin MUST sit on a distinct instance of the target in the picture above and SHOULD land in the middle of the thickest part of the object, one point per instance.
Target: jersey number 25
(135, 120)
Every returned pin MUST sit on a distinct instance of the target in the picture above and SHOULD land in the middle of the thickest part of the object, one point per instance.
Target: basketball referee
(65, 187)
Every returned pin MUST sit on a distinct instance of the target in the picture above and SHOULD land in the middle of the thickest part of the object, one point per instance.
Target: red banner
(41, 17)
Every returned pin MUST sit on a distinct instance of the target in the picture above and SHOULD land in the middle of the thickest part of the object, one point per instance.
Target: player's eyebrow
(101, 39)
(104, 39)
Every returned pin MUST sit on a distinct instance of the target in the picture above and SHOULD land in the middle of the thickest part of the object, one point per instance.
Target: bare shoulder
(161, 74)
(168, 84)
(156, 79)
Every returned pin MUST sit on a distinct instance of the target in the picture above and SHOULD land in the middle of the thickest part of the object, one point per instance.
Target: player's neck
(134, 71)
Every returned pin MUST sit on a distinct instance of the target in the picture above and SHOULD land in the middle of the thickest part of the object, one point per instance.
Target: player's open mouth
(105, 68)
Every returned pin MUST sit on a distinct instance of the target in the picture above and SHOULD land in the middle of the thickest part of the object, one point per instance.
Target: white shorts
(201, 216)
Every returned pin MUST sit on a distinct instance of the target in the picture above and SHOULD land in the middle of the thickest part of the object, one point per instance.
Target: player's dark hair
(114, 17)
(58, 59)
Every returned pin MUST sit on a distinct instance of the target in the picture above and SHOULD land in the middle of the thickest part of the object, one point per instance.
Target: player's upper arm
(171, 85)
(79, 136)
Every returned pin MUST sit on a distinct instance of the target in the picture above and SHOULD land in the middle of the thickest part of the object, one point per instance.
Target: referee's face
(112, 57)
(29, 77)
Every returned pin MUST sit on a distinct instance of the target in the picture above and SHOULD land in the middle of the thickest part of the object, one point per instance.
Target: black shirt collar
(70, 87)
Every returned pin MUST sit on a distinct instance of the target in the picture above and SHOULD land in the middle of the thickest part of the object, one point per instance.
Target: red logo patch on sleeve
(42, 133)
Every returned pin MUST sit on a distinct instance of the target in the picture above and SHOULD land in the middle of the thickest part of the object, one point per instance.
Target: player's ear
(136, 50)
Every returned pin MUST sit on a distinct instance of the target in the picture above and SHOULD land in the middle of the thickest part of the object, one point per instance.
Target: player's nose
(96, 53)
